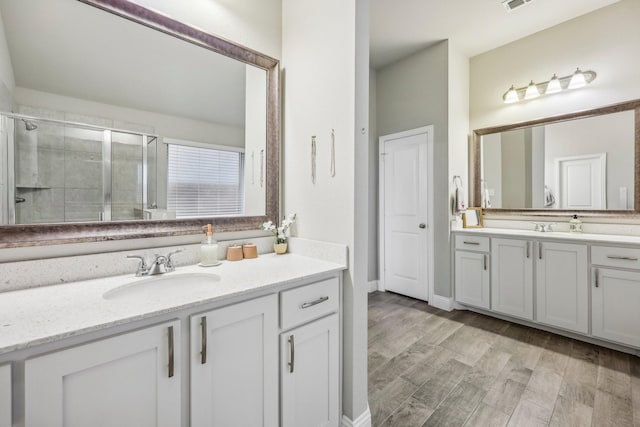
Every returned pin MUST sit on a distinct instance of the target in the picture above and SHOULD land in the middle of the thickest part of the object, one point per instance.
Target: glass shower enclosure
(54, 171)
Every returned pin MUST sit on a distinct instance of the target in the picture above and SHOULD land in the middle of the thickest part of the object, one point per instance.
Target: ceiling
(400, 28)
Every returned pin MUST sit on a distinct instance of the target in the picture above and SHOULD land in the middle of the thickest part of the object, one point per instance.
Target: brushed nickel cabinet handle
(620, 257)
(539, 250)
(292, 353)
(472, 243)
(485, 261)
(596, 278)
(315, 302)
(203, 332)
(171, 356)
(528, 249)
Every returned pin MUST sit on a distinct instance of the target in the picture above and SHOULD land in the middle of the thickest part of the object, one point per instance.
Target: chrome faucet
(161, 264)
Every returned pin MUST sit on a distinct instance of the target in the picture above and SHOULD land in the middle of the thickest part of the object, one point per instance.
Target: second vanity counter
(47, 314)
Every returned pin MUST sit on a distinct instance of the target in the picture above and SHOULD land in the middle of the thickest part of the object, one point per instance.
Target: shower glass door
(66, 172)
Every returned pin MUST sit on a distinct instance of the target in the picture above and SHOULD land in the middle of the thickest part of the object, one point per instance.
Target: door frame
(382, 143)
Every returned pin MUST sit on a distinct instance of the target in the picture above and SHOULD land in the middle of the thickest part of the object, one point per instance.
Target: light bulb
(553, 86)
(577, 80)
(532, 91)
(511, 96)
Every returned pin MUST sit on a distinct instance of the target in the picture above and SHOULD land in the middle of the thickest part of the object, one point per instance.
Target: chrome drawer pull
(625, 258)
(596, 277)
(528, 249)
(472, 243)
(292, 354)
(203, 331)
(171, 356)
(540, 250)
(312, 303)
(485, 262)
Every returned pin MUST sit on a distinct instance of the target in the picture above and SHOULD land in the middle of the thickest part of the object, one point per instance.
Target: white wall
(255, 24)
(325, 87)
(605, 41)
(411, 93)
(458, 115)
(7, 80)
(374, 157)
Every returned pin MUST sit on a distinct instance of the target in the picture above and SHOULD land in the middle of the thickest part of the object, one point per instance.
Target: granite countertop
(45, 314)
(553, 235)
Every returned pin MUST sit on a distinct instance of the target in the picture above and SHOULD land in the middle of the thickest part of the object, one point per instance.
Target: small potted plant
(281, 233)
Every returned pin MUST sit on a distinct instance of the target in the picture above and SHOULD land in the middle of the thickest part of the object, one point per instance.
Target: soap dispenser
(209, 249)
(575, 225)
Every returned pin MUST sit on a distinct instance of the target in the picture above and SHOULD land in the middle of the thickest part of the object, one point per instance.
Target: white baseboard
(442, 303)
(374, 285)
(364, 420)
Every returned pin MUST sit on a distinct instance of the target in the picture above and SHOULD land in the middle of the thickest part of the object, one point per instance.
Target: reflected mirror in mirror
(124, 122)
(581, 164)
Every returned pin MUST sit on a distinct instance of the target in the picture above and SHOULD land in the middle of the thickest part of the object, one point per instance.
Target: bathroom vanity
(583, 285)
(255, 342)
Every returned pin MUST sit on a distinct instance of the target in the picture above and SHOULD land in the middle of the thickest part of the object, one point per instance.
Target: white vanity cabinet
(472, 285)
(310, 355)
(5, 396)
(562, 286)
(128, 380)
(512, 277)
(615, 294)
(234, 365)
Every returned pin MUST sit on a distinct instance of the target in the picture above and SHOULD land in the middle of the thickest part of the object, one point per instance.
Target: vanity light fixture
(556, 84)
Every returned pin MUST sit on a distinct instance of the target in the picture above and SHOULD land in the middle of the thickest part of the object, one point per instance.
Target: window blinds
(204, 181)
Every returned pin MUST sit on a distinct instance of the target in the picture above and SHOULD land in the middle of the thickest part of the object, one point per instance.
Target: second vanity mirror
(119, 118)
(580, 162)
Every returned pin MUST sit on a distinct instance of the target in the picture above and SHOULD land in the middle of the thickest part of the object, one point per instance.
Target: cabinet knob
(422, 225)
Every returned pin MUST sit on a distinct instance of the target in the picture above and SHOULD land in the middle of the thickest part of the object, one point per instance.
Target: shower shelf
(32, 187)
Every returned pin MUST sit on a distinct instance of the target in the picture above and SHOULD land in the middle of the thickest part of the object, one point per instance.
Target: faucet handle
(550, 225)
(169, 266)
(142, 266)
(537, 226)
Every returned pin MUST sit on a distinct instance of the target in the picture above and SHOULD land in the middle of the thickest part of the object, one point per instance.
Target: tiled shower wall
(59, 169)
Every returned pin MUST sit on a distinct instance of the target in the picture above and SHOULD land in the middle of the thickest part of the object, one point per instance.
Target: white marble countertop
(553, 235)
(45, 314)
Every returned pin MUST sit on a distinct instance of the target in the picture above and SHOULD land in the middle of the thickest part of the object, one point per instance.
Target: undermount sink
(164, 285)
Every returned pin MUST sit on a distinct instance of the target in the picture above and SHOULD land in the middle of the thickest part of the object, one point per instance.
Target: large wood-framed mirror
(586, 162)
(200, 91)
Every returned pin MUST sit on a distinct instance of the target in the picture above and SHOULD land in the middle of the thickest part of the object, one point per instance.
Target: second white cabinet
(5, 396)
(234, 365)
(512, 277)
(472, 278)
(562, 287)
(129, 380)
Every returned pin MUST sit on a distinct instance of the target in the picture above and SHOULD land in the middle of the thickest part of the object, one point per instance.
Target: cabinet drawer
(612, 256)
(309, 302)
(472, 243)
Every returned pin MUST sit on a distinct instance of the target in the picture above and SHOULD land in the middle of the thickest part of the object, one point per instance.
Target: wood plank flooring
(429, 367)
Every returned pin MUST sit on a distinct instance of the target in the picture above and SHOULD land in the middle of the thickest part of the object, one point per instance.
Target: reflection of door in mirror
(520, 167)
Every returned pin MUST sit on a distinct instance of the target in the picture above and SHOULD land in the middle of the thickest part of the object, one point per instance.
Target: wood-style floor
(429, 367)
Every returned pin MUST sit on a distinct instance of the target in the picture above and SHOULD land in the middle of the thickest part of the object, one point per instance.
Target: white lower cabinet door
(129, 380)
(562, 288)
(512, 277)
(234, 365)
(615, 299)
(472, 279)
(309, 369)
(5, 396)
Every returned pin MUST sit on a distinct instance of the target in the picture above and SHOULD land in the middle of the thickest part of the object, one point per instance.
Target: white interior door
(405, 160)
(582, 181)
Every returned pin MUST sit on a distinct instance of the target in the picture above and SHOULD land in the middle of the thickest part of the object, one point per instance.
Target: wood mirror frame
(50, 234)
(475, 166)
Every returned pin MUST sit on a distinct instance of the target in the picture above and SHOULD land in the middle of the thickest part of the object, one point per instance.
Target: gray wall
(411, 93)
(373, 179)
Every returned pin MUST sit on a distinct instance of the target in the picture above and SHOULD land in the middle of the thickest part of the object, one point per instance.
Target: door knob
(423, 225)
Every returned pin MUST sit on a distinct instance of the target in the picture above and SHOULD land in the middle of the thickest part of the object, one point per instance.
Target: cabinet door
(5, 396)
(562, 288)
(128, 380)
(309, 374)
(512, 277)
(234, 365)
(615, 298)
(472, 279)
